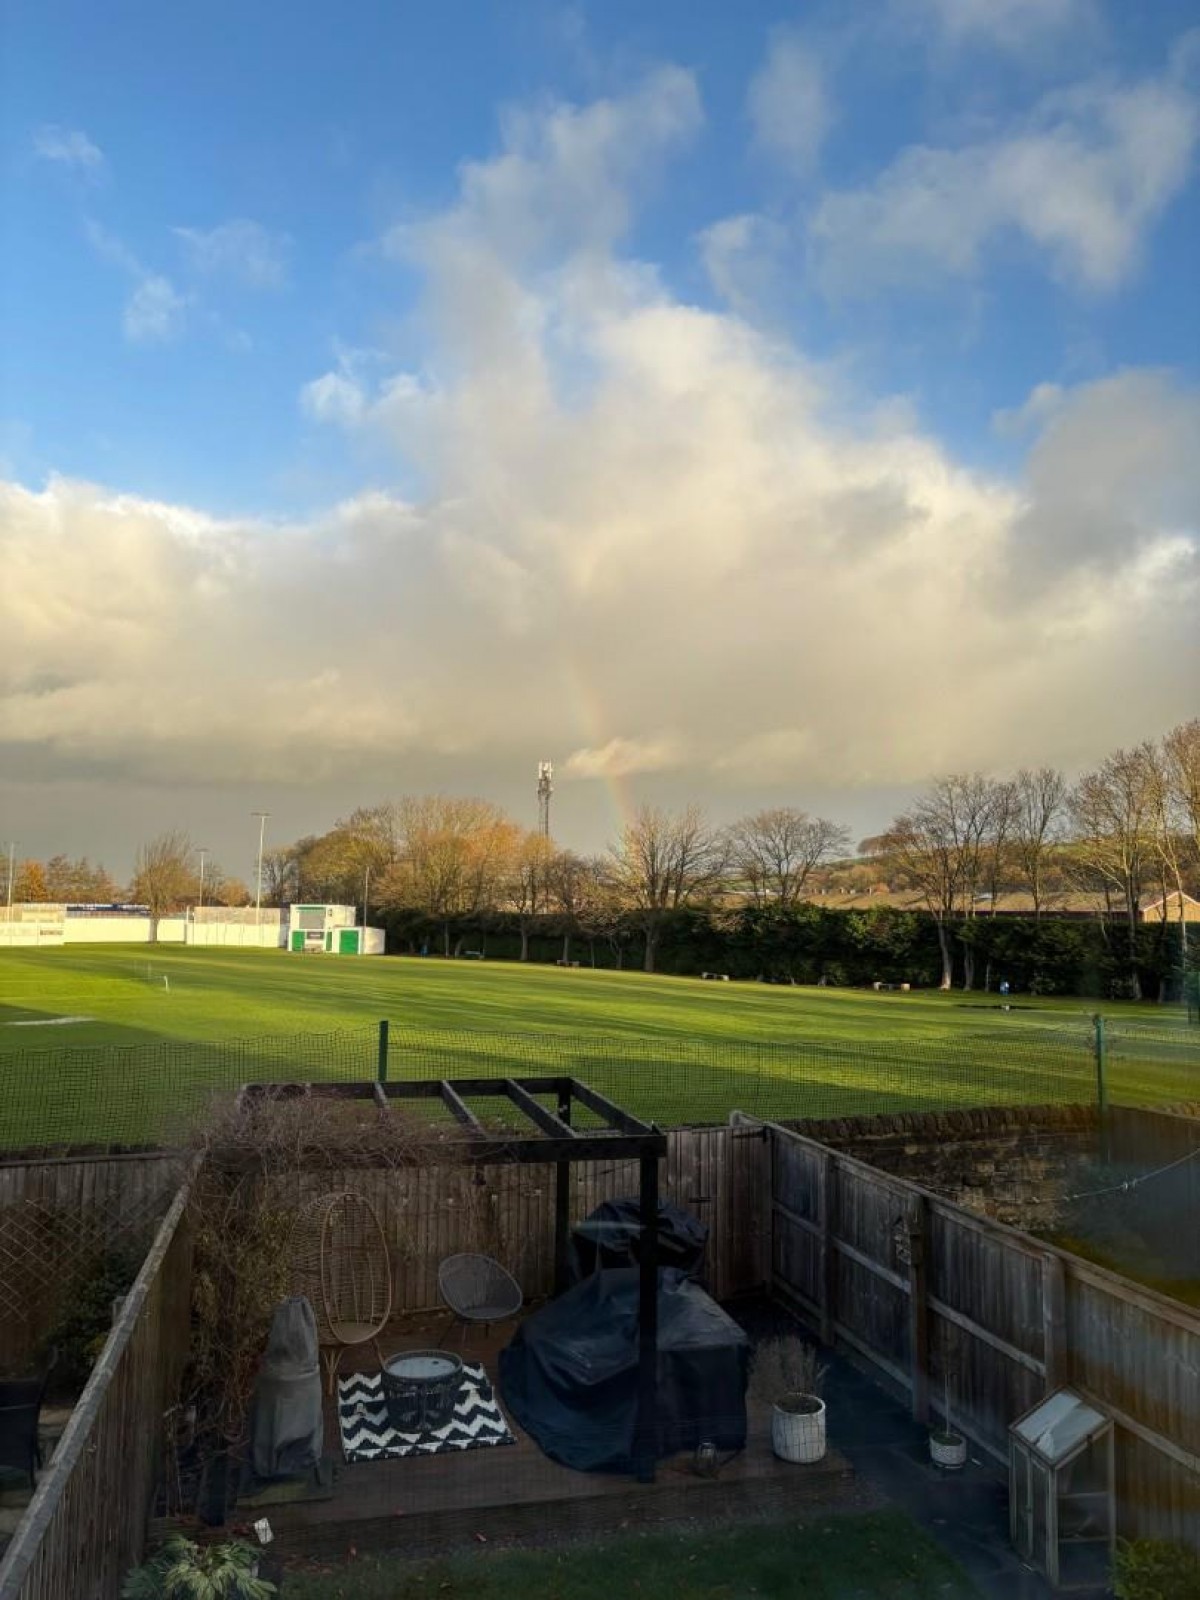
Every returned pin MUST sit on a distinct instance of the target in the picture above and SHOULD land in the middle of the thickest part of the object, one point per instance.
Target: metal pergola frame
(548, 1139)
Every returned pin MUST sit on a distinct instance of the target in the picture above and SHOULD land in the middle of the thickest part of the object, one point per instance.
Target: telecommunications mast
(545, 789)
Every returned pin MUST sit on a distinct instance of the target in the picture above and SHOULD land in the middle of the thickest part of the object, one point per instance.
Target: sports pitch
(105, 1043)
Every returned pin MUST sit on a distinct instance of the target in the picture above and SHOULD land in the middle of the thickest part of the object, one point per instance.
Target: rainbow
(591, 719)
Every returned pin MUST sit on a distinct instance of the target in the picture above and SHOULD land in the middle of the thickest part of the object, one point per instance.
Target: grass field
(681, 1049)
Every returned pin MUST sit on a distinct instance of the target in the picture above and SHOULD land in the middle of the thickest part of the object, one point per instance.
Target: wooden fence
(428, 1213)
(86, 1524)
(936, 1298)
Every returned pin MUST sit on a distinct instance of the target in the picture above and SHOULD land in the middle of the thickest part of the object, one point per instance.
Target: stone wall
(1012, 1163)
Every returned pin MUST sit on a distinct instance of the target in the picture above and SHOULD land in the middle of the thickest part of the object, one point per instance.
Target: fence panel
(1010, 1316)
(85, 1526)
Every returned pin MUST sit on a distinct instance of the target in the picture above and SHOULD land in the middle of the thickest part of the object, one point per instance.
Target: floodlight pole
(366, 890)
(262, 828)
(12, 852)
(202, 855)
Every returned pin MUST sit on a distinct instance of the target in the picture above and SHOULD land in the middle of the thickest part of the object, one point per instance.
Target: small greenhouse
(1061, 1490)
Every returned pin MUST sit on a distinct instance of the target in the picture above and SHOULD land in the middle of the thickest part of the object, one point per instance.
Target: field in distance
(109, 1043)
(114, 995)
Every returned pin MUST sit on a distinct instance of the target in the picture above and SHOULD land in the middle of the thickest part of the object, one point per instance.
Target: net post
(1101, 1051)
(383, 1051)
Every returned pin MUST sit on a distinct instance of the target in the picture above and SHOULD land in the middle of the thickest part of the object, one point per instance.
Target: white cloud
(621, 758)
(789, 104)
(1082, 182)
(333, 397)
(651, 537)
(69, 147)
(1015, 25)
(242, 250)
(743, 257)
(154, 312)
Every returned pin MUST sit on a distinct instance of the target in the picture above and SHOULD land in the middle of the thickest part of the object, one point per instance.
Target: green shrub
(83, 1324)
(1154, 1569)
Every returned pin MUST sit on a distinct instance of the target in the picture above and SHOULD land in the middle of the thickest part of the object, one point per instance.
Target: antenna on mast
(545, 789)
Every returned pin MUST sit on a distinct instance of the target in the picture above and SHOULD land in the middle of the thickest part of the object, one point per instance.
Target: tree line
(757, 898)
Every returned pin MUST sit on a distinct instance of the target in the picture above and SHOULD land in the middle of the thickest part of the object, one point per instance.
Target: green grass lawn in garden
(881, 1556)
(678, 1049)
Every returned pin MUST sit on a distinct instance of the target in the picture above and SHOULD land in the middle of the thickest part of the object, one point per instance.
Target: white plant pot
(950, 1452)
(799, 1435)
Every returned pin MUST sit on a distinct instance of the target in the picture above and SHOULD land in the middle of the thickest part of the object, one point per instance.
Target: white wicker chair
(340, 1261)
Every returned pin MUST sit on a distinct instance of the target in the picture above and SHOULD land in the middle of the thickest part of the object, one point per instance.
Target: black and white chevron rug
(368, 1435)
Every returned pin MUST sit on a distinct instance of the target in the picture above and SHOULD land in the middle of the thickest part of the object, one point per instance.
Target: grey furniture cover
(570, 1375)
(288, 1433)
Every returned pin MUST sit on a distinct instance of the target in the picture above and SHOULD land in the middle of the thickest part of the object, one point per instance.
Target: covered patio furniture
(288, 1430)
(478, 1290)
(20, 1406)
(570, 1375)
(611, 1237)
(340, 1261)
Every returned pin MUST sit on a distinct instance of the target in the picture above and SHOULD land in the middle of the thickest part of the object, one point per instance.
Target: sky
(754, 404)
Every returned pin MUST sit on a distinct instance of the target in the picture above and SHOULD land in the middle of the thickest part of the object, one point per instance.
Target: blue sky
(348, 289)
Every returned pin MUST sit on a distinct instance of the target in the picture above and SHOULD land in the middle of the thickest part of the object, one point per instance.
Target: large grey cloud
(651, 542)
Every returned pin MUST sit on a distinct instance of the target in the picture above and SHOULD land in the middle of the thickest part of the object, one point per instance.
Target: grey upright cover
(288, 1429)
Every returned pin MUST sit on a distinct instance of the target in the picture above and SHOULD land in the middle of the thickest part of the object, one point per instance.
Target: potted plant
(947, 1447)
(786, 1375)
(183, 1570)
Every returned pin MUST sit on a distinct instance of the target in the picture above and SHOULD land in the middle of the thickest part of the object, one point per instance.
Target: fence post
(827, 1264)
(918, 1306)
(1101, 1083)
(1055, 1350)
(383, 1051)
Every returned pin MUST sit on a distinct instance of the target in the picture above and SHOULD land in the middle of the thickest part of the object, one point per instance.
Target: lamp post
(366, 890)
(202, 855)
(262, 828)
(12, 852)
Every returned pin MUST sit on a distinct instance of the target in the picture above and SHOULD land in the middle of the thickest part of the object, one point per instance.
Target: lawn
(882, 1556)
(158, 1025)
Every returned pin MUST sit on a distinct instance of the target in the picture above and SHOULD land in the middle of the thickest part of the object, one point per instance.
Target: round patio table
(420, 1388)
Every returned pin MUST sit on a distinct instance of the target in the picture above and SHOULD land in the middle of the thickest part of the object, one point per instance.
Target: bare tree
(774, 853)
(1174, 776)
(530, 869)
(662, 863)
(944, 848)
(163, 878)
(1040, 802)
(572, 890)
(1181, 753)
(1113, 809)
(281, 874)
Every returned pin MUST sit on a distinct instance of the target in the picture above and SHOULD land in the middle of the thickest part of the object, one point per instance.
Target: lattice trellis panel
(58, 1230)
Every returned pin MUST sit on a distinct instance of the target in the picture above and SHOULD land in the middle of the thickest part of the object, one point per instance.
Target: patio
(515, 1492)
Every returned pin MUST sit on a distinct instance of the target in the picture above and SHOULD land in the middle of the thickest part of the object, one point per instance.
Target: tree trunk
(566, 950)
(968, 964)
(524, 943)
(947, 956)
(651, 947)
(445, 938)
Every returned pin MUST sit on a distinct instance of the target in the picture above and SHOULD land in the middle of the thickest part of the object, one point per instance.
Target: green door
(347, 941)
(297, 938)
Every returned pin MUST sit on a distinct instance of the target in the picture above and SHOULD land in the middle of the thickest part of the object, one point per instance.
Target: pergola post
(562, 1204)
(645, 1444)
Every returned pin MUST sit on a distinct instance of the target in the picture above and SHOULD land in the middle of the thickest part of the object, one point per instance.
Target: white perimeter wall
(236, 935)
(28, 934)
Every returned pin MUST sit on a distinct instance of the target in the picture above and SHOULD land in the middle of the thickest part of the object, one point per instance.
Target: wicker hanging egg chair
(340, 1260)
